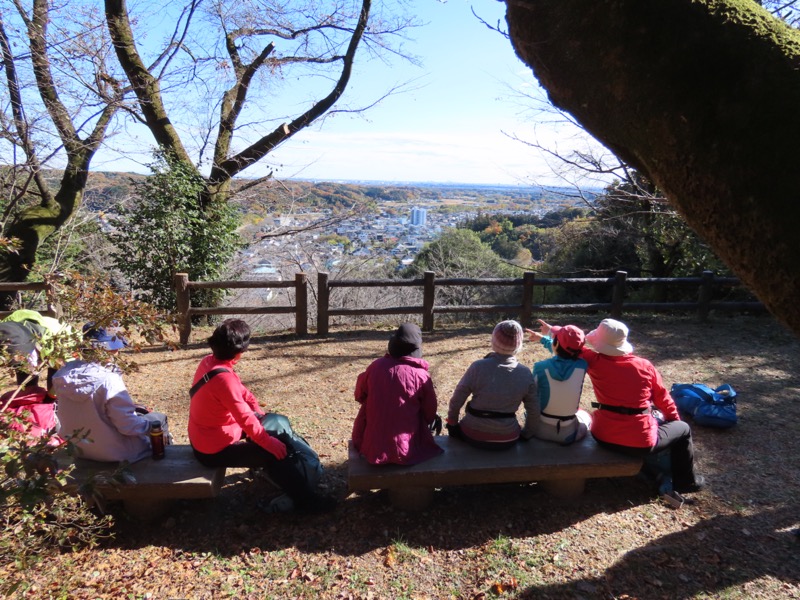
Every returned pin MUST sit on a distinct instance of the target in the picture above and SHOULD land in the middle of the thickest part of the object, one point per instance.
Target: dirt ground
(738, 540)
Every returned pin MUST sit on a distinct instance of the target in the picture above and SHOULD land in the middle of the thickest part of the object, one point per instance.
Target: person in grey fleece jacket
(92, 398)
(498, 384)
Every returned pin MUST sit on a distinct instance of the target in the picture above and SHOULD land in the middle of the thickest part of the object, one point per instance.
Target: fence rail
(50, 309)
(620, 284)
(186, 311)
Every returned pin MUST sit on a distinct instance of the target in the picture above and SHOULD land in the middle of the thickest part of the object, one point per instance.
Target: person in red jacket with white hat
(627, 387)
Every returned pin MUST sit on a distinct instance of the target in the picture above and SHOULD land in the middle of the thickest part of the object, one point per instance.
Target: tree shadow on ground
(458, 518)
(719, 552)
(350, 351)
(753, 469)
(355, 336)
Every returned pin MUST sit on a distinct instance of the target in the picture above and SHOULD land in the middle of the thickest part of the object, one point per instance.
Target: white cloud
(470, 156)
(466, 157)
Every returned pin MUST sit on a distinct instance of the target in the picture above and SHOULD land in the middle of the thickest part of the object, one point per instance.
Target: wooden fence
(49, 308)
(619, 284)
(186, 311)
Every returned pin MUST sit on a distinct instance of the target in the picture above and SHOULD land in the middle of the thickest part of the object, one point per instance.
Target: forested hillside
(105, 188)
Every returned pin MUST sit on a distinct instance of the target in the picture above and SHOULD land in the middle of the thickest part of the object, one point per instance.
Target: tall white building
(419, 216)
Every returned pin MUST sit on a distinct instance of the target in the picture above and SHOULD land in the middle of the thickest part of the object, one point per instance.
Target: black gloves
(436, 425)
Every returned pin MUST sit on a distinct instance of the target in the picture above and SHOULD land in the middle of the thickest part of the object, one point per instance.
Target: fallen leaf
(500, 588)
(389, 559)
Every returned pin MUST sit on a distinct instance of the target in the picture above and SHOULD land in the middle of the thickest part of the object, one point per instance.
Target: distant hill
(105, 189)
(108, 188)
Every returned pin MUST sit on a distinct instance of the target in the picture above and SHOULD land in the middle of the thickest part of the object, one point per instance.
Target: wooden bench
(563, 470)
(152, 486)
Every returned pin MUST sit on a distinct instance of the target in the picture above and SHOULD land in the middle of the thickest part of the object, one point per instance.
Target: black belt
(488, 414)
(560, 420)
(623, 410)
(569, 418)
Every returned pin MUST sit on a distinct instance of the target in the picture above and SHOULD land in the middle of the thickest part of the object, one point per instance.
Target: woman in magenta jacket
(398, 404)
(627, 387)
(224, 420)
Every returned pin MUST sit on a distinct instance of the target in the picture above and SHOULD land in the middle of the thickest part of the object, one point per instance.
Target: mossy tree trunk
(32, 226)
(702, 96)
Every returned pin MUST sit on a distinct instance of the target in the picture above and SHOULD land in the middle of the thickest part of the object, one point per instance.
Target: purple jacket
(398, 403)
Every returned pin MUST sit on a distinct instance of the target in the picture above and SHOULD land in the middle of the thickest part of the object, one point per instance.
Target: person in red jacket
(20, 348)
(627, 387)
(398, 404)
(224, 420)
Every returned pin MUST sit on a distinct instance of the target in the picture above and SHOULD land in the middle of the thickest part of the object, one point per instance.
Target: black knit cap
(406, 341)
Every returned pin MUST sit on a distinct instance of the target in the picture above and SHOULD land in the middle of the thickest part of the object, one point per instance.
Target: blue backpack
(707, 406)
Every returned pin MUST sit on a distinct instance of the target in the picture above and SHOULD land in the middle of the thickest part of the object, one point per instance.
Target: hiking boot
(672, 499)
(319, 504)
(699, 484)
(279, 504)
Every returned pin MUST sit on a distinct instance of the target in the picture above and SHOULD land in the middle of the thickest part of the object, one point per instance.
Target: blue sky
(450, 126)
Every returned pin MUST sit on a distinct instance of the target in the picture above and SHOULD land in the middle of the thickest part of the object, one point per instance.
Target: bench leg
(411, 498)
(147, 510)
(564, 488)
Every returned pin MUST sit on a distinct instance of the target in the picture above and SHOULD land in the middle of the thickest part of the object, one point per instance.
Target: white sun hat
(611, 338)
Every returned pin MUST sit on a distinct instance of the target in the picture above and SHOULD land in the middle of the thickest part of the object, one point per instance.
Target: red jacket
(632, 382)
(31, 405)
(222, 409)
(398, 403)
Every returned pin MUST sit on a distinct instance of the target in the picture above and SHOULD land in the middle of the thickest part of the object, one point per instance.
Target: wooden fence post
(526, 318)
(183, 303)
(428, 296)
(301, 303)
(704, 295)
(53, 307)
(618, 294)
(323, 298)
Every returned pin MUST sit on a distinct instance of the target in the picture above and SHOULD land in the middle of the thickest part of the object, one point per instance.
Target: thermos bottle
(157, 440)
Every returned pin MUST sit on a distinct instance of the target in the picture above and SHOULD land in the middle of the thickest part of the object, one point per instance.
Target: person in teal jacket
(559, 383)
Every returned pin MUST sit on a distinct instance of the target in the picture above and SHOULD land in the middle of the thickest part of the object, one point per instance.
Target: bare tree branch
(234, 165)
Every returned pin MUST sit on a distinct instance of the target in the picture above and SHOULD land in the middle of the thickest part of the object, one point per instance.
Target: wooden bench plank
(178, 475)
(156, 483)
(564, 469)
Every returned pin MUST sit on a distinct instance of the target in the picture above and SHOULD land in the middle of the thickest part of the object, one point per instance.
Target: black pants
(675, 436)
(248, 454)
